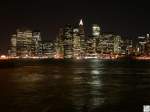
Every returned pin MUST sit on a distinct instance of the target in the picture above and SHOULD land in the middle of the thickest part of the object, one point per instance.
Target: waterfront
(75, 86)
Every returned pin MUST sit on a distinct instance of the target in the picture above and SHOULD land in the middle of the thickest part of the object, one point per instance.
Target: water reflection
(95, 72)
(85, 93)
(82, 86)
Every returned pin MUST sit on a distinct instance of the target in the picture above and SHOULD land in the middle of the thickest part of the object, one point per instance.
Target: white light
(81, 23)
(146, 108)
(3, 57)
(78, 58)
(141, 37)
(91, 57)
(95, 72)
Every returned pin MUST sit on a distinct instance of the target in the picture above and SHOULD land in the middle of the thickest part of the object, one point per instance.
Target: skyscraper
(59, 48)
(90, 48)
(142, 40)
(36, 40)
(24, 42)
(82, 37)
(47, 49)
(96, 36)
(12, 51)
(68, 41)
(76, 43)
(96, 31)
(117, 44)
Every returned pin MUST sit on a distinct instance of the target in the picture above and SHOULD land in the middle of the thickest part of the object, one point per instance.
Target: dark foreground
(74, 86)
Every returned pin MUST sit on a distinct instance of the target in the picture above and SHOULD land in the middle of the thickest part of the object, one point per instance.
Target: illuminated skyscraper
(143, 44)
(24, 43)
(68, 41)
(37, 36)
(36, 40)
(95, 31)
(90, 48)
(12, 51)
(117, 44)
(96, 36)
(106, 44)
(46, 49)
(59, 48)
(148, 37)
(82, 37)
(147, 45)
(76, 43)
(142, 40)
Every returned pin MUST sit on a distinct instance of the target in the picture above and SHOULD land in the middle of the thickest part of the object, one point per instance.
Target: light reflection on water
(95, 72)
(86, 86)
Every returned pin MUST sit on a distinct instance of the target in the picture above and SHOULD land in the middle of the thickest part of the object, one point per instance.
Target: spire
(81, 22)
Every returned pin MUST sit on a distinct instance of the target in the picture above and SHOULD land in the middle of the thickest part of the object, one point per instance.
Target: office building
(76, 43)
(117, 44)
(36, 40)
(68, 41)
(82, 37)
(13, 44)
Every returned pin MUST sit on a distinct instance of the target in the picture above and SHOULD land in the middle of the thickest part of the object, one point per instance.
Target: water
(76, 86)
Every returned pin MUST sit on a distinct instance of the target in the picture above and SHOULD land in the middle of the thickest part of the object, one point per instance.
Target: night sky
(128, 19)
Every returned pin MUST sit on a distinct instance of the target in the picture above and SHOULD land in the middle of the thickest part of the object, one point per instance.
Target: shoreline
(11, 63)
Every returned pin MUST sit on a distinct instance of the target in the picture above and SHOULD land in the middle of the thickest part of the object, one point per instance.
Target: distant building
(141, 42)
(90, 47)
(13, 46)
(76, 43)
(105, 45)
(127, 47)
(96, 31)
(82, 37)
(46, 49)
(36, 40)
(117, 44)
(59, 48)
(24, 43)
(96, 36)
(143, 45)
(68, 41)
(108, 44)
(71, 42)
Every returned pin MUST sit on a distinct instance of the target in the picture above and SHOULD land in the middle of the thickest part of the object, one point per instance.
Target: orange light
(3, 57)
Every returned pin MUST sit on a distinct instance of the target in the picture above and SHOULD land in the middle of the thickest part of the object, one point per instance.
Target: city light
(73, 43)
(3, 57)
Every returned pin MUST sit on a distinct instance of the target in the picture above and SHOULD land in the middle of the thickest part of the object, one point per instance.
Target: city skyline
(72, 42)
(127, 19)
(74, 56)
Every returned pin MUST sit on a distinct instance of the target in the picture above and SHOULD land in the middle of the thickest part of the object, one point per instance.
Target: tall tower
(96, 31)
(148, 37)
(36, 40)
(13, 45)
(24, 42)
(68, 41)
(81, 30)
(76, 43)
(82, 37)
(96, 36)
(81, 22)
(59, 50)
